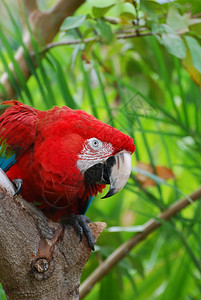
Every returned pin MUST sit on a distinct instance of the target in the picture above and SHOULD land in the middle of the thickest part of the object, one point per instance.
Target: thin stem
(91, 39)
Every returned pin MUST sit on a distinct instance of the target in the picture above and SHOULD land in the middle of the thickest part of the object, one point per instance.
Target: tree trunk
(39, 259)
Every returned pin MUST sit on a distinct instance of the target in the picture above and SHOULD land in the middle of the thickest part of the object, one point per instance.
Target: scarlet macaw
(64, 157)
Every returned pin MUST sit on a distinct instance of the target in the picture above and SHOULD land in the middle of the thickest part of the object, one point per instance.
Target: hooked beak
(114, 171)
(119, 173)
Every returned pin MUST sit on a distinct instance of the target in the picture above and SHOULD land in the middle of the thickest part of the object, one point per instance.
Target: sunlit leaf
(73, 22)
(195, 50)
(99, 12)
(174, 45)
(161, 28)
(176, 21)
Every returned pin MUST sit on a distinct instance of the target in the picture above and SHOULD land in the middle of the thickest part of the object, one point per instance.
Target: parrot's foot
(18, 185)
(79, 222)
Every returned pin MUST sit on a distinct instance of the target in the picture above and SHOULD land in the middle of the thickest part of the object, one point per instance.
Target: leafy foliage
(135, 65)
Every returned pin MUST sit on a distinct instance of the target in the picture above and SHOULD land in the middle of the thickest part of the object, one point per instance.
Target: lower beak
(114, 171)
(119, 173)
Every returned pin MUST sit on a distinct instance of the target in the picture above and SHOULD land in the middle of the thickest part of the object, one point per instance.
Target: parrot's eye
(95, 143)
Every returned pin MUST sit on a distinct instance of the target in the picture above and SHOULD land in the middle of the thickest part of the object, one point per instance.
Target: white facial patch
(94, 151)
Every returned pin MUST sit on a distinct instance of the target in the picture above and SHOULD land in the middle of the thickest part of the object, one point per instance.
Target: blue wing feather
(88, 203)
(7, 156)
(6, 163)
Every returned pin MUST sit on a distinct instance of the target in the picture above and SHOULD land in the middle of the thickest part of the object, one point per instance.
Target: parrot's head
(105, 157)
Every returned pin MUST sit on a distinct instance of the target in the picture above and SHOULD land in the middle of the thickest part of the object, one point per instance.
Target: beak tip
(110, 193)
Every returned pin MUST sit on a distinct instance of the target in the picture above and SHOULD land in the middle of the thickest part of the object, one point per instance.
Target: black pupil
(95, 143)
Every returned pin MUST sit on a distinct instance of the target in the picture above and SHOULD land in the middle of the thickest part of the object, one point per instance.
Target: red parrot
(64, 157)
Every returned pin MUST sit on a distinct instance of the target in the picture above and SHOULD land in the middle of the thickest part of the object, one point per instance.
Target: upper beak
(119, 173)
(114, 171)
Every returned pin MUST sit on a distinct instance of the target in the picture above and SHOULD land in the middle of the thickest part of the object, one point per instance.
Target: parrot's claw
(18, 185)
(79, 223)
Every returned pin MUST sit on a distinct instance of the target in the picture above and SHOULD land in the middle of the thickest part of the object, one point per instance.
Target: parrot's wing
(17, 131)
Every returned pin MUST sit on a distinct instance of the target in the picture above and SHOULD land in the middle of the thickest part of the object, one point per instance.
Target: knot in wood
(41, 265)
(42, 268)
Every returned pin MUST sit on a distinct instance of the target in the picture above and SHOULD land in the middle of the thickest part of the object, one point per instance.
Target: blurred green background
(148, 86)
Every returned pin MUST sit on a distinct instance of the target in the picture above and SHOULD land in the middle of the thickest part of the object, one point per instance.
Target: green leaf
(104, 95)
(146, 6)
(2, 294)
(195, 50)
(99, 12)
(161, 28)
(73, 22)
(131, 279)
(127, 15)
(110, 288)
(136, 263)
(176, 21)
(63, 85)
(177, 284)
(104, 30)
(88, 88)
(174, 45)
(75, 53)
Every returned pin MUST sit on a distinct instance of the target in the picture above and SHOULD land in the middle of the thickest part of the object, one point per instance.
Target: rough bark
(44, 26)
(39, 259)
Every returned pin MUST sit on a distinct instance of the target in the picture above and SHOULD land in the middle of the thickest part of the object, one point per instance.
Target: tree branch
(124, 249)
(91, 39)
(39, 259)
(30, 6)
